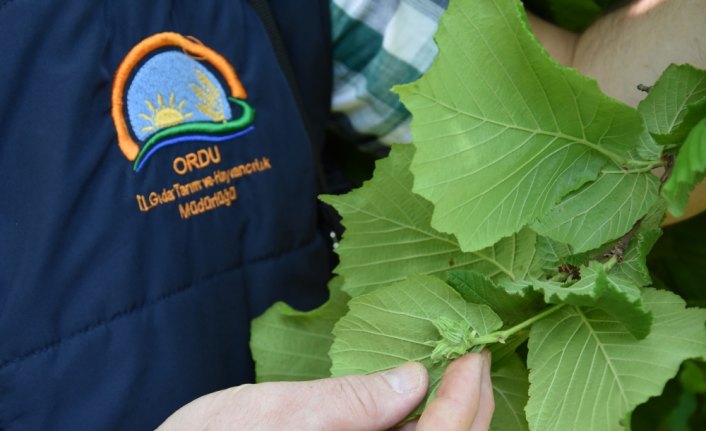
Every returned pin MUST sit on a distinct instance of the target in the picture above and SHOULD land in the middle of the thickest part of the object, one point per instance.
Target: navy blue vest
(158, 192)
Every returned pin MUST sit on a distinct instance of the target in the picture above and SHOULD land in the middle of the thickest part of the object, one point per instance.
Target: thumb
(353, 403)
(371, 402)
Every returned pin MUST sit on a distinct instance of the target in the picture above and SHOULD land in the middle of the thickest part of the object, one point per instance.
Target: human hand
(464, 400)
(373, 402)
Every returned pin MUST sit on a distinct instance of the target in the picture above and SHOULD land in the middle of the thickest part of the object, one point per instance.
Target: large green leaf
(502, 131)
(510, 385)
(587, 372)
(388, 235)
(689, 170)
(600, 211)
(675, 103)
(289, 345)
(399, 323)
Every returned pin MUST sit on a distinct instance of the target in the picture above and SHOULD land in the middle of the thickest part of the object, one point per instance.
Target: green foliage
(590, 217)
(689, 170)
(634, 267)
(389, 236)
(521, 220)
(693, 377)
(675, 104)
(292, 345)
(675, 114)
(597, 289)
(520, 132)
(680, 407)
(397, 324)
(587, 371)
(510, 386)
(476, 288)
(677, 259)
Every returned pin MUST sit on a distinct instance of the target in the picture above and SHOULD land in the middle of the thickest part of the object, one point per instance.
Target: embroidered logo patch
(166, 92)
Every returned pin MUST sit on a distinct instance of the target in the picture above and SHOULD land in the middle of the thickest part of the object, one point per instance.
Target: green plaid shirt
(378, 44)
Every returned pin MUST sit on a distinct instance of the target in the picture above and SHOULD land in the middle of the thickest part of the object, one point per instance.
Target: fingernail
(404, 379)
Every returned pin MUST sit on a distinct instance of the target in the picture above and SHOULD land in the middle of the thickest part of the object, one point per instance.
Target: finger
(373, 402)
(409, 426)
(458, 399)
(487, 402)
(214, 411)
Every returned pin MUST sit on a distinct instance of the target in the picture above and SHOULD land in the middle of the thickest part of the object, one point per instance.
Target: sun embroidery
(163, 116)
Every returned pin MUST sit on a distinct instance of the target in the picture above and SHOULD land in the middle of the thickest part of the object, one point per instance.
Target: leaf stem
(647, 168)
(619, 160)
(647, 163)
(501, 336)
(623, 161)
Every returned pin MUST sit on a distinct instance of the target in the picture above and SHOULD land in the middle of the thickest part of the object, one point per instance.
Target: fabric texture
(377, 45)
(125, 293)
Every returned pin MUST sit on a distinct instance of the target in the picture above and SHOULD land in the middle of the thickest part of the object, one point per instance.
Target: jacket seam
(143, 305)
